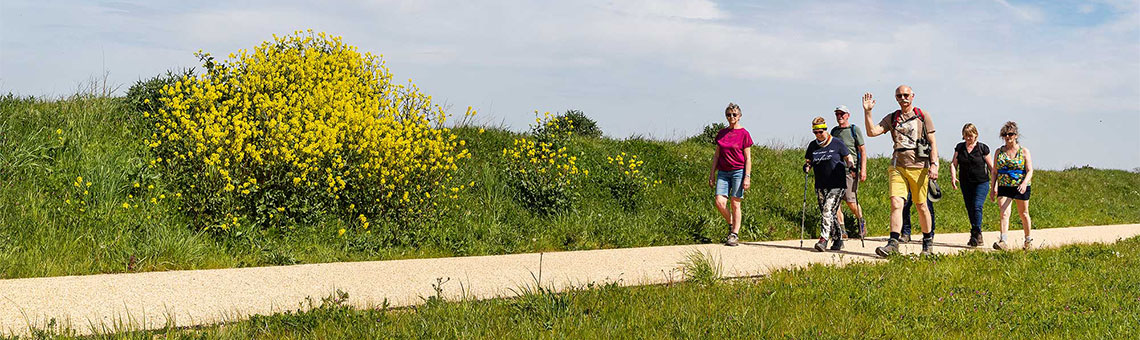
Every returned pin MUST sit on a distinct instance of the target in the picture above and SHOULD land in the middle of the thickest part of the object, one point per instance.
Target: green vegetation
(1074, 292)
(49, 226)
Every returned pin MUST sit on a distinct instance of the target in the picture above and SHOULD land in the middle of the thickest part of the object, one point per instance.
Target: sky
(1068, 72)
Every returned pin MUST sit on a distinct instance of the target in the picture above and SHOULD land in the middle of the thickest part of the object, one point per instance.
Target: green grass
(1074, 292)
(41, 235)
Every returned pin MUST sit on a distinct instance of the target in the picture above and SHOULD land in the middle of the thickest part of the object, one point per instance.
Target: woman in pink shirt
(731, 170)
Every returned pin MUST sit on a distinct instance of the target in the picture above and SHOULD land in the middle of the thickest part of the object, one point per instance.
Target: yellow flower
(340, 232)
(126, 205)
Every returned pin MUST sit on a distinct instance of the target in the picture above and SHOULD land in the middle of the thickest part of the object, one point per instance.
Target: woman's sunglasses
(818, 131)
(1008, 134)
(732, 115)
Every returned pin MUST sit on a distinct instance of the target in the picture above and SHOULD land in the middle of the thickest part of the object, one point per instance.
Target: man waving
(914, 161)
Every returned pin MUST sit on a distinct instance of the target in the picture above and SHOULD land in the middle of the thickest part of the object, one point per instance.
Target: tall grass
(41, 235)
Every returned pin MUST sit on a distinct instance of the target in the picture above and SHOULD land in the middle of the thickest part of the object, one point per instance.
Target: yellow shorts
(903, 181)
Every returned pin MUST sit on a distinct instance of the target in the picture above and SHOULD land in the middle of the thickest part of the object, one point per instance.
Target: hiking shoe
(892, 247)
(1000, 245)
(975, 240)
(844, 233)
(821, 245)
(862, 229)
(1028, 242)
(904, 238)
(731, 240)
(927, 246)
(836, 245)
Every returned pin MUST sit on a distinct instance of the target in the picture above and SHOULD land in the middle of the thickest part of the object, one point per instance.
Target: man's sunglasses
(903, 95)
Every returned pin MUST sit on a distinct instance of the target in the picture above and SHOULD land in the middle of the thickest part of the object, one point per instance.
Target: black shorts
(1011, 192)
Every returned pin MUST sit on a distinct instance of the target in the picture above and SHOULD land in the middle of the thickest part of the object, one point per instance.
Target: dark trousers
(974, 195)
(906, 216)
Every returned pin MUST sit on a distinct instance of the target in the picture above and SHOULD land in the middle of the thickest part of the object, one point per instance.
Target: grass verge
(1077, 291)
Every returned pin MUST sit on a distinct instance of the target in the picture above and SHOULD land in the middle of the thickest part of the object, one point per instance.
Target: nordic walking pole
(803, 208)
(863, 231)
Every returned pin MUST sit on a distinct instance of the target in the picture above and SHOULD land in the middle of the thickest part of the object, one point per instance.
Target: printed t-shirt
(906, 132)
(827, 163)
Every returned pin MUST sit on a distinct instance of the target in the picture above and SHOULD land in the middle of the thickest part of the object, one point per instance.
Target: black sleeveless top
(972, 167)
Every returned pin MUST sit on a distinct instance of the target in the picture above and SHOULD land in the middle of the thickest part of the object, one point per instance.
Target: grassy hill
(51, 225)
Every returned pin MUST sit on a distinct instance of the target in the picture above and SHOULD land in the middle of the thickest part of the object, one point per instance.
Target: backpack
(851, 130)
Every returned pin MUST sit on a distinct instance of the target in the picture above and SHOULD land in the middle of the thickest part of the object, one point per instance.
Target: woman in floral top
(1012, 182)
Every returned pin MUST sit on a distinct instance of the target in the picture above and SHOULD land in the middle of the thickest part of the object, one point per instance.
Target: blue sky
(1068, 72)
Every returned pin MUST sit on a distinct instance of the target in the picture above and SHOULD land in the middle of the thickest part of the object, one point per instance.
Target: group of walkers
(838, 160)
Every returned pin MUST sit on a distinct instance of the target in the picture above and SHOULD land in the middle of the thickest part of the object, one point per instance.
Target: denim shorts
(730, 183)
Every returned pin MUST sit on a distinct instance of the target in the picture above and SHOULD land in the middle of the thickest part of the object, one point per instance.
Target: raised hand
(868, 101)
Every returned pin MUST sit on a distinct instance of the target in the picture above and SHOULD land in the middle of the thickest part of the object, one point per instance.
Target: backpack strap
(854, 139)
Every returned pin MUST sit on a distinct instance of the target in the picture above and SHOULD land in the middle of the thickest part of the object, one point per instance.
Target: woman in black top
(971, 168)
(831, 160)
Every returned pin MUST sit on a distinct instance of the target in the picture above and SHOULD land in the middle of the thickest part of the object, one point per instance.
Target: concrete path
(186, 298)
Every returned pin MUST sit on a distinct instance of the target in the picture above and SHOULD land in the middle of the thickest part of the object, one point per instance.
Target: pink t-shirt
(730, 148)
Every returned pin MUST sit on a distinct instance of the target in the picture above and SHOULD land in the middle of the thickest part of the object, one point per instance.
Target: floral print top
(1011, 170)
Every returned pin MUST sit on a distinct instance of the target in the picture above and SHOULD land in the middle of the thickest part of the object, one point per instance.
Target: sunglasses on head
(732, 114)
(903, 95)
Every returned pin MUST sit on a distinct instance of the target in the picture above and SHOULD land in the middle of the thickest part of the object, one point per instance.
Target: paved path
(185, 298)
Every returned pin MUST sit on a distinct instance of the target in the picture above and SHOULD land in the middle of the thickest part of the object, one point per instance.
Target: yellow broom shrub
(300, 126)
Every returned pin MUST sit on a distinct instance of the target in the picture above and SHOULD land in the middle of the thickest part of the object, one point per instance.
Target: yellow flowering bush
(543, 173)
(301, 125)
(625, 179)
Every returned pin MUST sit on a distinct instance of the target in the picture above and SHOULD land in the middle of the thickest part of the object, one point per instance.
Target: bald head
(905, 96)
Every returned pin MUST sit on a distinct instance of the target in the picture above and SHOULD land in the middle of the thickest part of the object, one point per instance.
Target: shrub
(708, 134)
(302, 125)
(625, 180)
(578, 123)
(145, 95)
(542, 173)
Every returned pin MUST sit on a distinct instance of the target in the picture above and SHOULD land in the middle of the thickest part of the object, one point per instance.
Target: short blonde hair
(732, 107)
(817, 121)
(1010, 127)
(969, 130)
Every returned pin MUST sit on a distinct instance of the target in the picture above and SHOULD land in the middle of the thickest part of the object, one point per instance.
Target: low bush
(544, 175)
(301, 126)
(576, 122)
(708, 133)
(625, 180)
